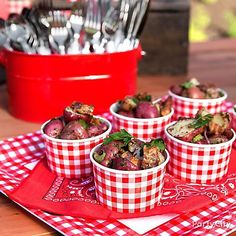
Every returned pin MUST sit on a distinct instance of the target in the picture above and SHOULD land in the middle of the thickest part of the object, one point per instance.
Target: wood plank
(215, 45)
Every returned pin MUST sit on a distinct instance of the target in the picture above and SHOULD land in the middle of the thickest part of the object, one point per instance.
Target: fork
(59, 32)
(121, 34)
(139, 22)
(110, 26)
(76, 20)
(92, 26)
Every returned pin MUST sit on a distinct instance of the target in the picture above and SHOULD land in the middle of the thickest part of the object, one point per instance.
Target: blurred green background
(212, 19)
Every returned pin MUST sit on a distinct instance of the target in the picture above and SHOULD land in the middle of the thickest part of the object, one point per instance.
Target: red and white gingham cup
(188, 107)
(128, 191)
(144, 129)
(198, 163)
(70, 158)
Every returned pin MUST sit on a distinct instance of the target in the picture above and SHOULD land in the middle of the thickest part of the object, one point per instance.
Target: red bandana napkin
(76, 197)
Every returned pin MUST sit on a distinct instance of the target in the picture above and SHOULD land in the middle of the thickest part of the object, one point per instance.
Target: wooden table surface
(209, 62)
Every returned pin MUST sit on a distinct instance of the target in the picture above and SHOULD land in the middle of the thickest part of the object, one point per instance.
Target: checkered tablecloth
(215, 219)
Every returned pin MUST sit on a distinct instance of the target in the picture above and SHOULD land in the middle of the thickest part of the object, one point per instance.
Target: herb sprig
(159, 142)
(122, 135)
(187, 85)
(201, 121)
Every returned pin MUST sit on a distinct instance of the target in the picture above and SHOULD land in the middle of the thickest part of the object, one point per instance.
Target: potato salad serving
(121, 151)
(204, 128)
(194, 89)
(76, 123)
(142, 106)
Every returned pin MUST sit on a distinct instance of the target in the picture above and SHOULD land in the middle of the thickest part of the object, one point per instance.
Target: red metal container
(40, 86)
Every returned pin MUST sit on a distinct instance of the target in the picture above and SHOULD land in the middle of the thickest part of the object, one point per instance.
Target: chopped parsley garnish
(187, 85)
(201, 121)
(159, 143)
(123, 135)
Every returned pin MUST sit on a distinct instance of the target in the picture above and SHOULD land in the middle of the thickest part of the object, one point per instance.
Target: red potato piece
(182, 130)
(97, 127)
(78, 111)
(220, 123)
(195, 93)
(176, 89)
(110, 150)
(203, 141)
(95, 130)
(146, 110)
(130, 164)
(70, 115)
(126, 113)
(103, 126)
(53, 128)
(218, 139)
(126, 161)
(74, 130)
(228, 133)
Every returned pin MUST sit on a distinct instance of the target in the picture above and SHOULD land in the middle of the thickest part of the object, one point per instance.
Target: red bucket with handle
(40, 86)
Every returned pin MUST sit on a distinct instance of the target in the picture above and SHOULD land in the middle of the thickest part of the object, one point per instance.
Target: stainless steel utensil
(59, 32)
(92, 26)
(110, 26)
(143, 16)
(4, 40)
(20, 32)
(76, 19)
(121, 35)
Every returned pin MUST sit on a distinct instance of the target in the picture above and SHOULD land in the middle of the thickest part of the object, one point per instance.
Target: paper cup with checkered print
(70, 158)
(188, 107)
(128, 191)
(144, 129)
(198, 163)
